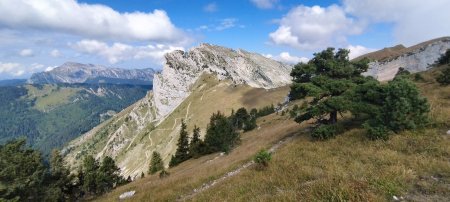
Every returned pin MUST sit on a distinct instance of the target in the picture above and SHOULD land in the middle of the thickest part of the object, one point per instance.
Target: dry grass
(193, 173)
(415, 165)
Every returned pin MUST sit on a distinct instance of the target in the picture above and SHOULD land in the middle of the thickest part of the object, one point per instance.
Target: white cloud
(413, 21)
(268, 55)
(88, 20)
(286, 57)
(264, 4)
(210, 8)
(120, 52)
(358, 50)
(9, 68)
(311, 28)
(16, 69)
(55, 53)
(26, 53)
(227, 23)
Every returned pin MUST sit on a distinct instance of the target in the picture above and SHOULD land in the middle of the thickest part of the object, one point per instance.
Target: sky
(39, 35)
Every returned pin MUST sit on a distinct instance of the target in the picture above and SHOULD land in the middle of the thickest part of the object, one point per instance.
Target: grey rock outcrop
(418, 59)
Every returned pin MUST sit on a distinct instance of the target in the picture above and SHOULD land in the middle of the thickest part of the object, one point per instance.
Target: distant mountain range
(72, 72)
(12, 82)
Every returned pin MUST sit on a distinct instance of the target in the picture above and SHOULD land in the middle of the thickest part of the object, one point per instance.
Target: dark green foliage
(239, 118)
(61, 186)
(445, 58)
(53, 128)
(266, 111)
(375, 132)
(182, 153)
(24, 176)
(262, 158)
(402, 72)
(403, 108)
(243, 120)
(444, 77)
(156, 164)
(395, 106)
(197, 147)
(326, 79)
(22, 172)
(323, 132)
(418, 77)
(220, 134)
(108, 175)
(335, 86)
(90, 167)
(97, 179)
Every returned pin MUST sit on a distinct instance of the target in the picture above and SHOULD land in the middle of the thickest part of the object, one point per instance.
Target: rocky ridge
(415, 59)
(182, 69)
(71, 72)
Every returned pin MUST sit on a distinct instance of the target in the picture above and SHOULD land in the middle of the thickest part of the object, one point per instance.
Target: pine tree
(197, 146)
(90, 167)
(109, 175)
(156, 164)
(22, 170)
(444, 77)
(326, 78)
(60, 185)
(182, 153)
(220, 135)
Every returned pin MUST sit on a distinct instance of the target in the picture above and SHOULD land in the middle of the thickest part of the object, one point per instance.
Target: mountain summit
(71, 72)
(182, 69)
(191, 86)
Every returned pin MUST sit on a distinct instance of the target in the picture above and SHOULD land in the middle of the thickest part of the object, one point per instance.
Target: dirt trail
(234, 172)
(167, 129)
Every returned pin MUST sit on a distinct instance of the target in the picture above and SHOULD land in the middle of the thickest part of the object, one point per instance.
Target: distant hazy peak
(72, 72)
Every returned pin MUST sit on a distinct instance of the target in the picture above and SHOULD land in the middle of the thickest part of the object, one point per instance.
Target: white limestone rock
(415, 61)
(182, 69)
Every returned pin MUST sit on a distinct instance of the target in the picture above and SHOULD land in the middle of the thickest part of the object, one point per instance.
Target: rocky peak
(182, 69)
(72, 72)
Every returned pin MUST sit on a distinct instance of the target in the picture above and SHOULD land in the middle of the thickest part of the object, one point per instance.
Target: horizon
(40, 35)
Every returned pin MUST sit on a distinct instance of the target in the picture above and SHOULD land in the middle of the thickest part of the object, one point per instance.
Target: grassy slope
(348, 167)
(208, 96)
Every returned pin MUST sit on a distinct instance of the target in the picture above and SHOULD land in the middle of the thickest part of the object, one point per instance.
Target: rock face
(416, 59)
(182, 69)
(88, 73)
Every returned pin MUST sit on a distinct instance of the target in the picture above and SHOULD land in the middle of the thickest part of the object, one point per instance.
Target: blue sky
(41, 34)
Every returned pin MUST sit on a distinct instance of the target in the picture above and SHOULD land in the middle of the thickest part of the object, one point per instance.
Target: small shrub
(262, 158)
(163, 174)
(376, 132)
(324, 132)
(418, 77)
(444, 77)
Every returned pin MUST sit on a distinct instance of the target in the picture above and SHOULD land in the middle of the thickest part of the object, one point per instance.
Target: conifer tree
(156, 164)
(197, 146)
(90, 167)
(220, 135)
(182, 153)
(326, 78)
(60, 185)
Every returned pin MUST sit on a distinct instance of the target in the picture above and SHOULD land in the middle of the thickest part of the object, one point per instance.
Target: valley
(49, 115)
